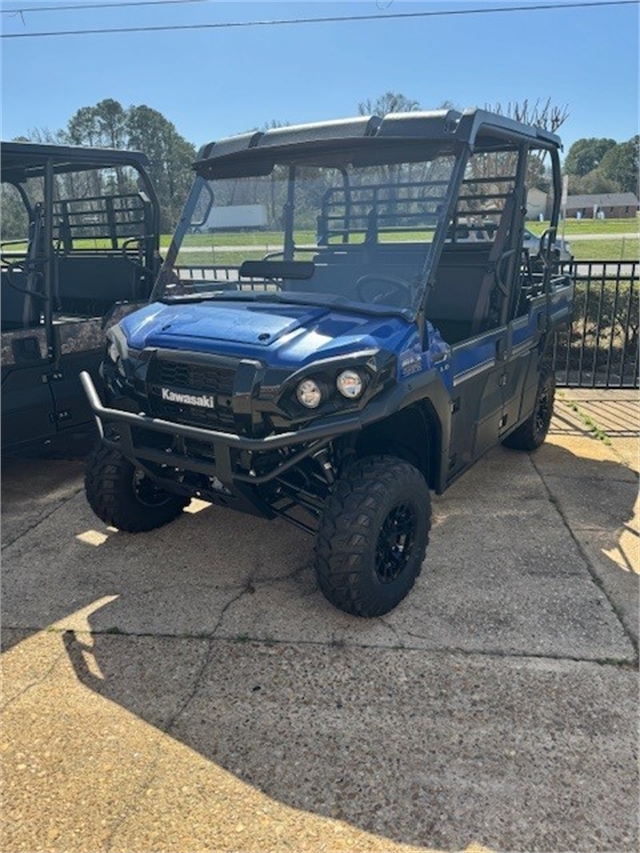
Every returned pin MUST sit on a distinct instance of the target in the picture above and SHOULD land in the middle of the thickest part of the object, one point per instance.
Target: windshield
(323, 233)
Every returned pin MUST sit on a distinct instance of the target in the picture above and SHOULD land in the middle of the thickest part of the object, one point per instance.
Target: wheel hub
(542, 413)
(146, 490)
(395, 542)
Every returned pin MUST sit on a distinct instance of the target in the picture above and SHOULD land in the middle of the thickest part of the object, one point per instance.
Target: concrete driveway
(191, 690)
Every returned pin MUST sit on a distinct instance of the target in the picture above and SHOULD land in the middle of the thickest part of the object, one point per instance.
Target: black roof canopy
(22, 160)
(479, 129)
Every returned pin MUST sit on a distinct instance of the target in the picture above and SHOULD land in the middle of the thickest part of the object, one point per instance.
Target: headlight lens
(309, 393)
(350, 384)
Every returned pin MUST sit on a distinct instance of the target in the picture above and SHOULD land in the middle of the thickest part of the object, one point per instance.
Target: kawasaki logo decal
(205, 401)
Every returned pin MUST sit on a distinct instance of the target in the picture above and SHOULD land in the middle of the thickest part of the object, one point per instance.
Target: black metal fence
(600, 350)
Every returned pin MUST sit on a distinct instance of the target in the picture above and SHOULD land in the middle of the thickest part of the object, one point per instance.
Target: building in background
(537, 204)
(603, 206)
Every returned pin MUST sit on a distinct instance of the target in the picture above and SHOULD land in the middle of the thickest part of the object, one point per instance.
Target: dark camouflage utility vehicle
(80, 232)
(358, 352)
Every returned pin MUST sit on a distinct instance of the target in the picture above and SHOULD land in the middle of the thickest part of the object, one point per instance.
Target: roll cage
(356, 225)
(80, 233)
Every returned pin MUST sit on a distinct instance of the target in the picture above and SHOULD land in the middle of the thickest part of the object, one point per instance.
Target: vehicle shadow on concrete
(478, 703)
(431, 750)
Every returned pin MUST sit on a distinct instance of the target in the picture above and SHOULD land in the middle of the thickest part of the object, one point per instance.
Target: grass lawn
(578, 227)
(620, 249)
(206, 258)
(590, 226)
(578, 231)
(239, 238)
(616, 248)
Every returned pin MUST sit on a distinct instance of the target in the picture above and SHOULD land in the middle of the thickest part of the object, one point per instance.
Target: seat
(22, 284)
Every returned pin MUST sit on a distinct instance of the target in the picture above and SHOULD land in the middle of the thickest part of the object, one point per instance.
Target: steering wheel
(399, 284)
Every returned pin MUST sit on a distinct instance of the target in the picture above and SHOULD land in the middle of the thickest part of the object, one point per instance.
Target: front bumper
(226, 468)
(132, 428)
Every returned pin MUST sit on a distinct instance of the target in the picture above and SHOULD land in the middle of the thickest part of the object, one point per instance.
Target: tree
(171, 157)
(620, 164)
(103, 125)
(14, 221)
(44, 136)
(108, 124)
(390, 102)
(603, 166)
(585, 155)
(545, 115)
(274, 124)
(594, 182)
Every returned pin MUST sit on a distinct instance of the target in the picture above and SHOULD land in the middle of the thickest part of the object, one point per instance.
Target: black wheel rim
(146, 490)
(543, 412)
(395, 542)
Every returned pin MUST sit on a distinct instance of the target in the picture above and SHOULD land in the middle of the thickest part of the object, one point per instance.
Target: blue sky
(214, 83)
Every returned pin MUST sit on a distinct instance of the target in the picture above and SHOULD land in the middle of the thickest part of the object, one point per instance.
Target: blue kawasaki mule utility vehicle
(334, 366)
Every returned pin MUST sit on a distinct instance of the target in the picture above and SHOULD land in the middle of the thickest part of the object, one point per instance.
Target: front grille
(218, 418)
(212, 379)
(197, 378)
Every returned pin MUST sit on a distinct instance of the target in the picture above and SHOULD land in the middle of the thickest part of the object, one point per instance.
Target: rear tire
(123, 496)
(532, 433)
(373, 536)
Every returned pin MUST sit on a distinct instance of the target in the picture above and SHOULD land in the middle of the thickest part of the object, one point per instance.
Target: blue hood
(280, 335)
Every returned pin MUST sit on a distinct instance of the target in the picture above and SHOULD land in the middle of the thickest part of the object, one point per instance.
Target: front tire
(373, 535)
(123, 496)
(532, 433)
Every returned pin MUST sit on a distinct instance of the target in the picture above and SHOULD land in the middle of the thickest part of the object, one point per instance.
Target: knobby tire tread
(104, 474)
(526, 437)
(346, 530)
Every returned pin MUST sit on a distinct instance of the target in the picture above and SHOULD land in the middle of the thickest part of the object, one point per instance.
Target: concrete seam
(42, 518)
(36, 681)
(151, 774)
(205, 661)
(589, 564)
(624, 663)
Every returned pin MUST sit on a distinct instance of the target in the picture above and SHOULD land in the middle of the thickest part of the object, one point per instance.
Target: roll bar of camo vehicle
(80, 233)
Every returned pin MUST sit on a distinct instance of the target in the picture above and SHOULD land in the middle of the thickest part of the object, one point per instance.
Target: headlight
(309, 393)
(349, 383)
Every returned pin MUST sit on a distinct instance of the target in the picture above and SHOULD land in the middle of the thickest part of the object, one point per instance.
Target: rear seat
(18, 309)
(89, 283)
(453, 299)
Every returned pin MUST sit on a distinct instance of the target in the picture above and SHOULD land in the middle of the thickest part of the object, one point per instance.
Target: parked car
(334, 381)
(531, 242)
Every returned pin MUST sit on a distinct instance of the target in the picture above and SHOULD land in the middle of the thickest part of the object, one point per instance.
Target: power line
(75, 6)
(326, 20)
